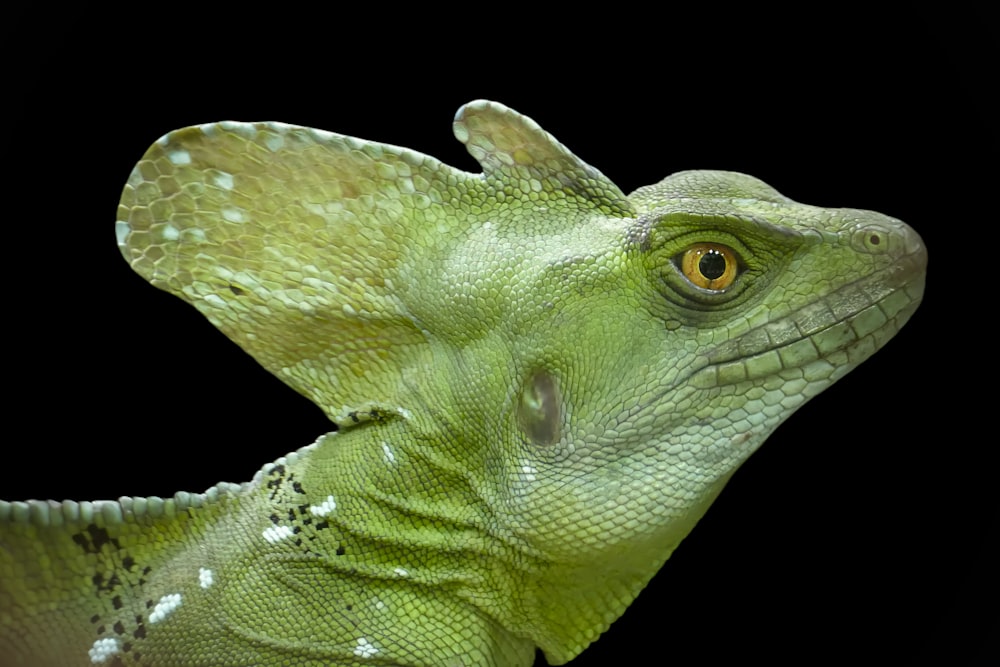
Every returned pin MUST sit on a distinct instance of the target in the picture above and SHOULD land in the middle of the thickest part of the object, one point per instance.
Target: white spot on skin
(401, 572)
(103, 649)
(170, 233)
(245, 130)
(195, 234)
(179, 157)
(529, 472)
(135, 178)
(274, 142)
(233, 214)
(122, 231)
(166, 606)
(275, 534)
(325, 507)
(364, 649)
(223, 180)
(389, 456)
(205, 577)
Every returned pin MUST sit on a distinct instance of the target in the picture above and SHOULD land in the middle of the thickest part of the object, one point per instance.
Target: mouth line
(845, 326)
(841, 328)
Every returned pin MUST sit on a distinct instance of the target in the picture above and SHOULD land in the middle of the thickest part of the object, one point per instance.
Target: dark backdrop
(863, 531)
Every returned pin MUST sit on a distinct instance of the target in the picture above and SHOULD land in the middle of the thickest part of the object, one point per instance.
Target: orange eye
(709, 266)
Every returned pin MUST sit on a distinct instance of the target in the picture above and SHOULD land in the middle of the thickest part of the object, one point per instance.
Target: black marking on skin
(375, 414)
(114, 572)
(82, 542)
(277, 479)
(237, 291)
(291, 509)
(100, 537)
(93, 539)
(112, 583)
(119, 578)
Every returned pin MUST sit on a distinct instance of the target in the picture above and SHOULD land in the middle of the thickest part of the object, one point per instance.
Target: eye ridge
(710, 266)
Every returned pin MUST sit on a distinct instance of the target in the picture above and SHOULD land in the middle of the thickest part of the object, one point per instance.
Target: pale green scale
(538, 393)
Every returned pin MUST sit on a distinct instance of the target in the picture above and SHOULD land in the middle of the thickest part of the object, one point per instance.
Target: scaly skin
(540, 386)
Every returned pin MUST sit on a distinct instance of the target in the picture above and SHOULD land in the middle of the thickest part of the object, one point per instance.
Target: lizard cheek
(539, 410)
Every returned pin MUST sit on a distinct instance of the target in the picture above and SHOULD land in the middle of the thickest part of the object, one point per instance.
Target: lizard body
(539, 383)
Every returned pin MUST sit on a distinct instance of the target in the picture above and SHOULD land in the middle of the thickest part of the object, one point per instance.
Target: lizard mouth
(843, 327)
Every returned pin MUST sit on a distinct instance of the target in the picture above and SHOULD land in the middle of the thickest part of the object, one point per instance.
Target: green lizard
(539, 383)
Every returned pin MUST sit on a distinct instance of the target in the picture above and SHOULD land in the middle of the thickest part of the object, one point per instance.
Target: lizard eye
(710, 266)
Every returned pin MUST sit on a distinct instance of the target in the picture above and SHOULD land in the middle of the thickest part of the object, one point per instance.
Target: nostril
(872, 239)
(887, 237)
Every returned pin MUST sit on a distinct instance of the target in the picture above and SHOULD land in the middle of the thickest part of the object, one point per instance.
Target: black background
(863, 531)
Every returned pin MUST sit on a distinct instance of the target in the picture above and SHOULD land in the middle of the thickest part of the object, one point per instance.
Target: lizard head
(590, 367)
(663, 354)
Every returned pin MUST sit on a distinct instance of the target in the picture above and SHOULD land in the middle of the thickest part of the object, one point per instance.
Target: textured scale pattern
(535, 402)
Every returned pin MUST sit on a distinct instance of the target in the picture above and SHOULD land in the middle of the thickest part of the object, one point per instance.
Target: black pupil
(712, 264)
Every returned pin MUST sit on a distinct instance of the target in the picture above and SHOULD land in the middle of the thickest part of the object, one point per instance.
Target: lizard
(538, 386)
